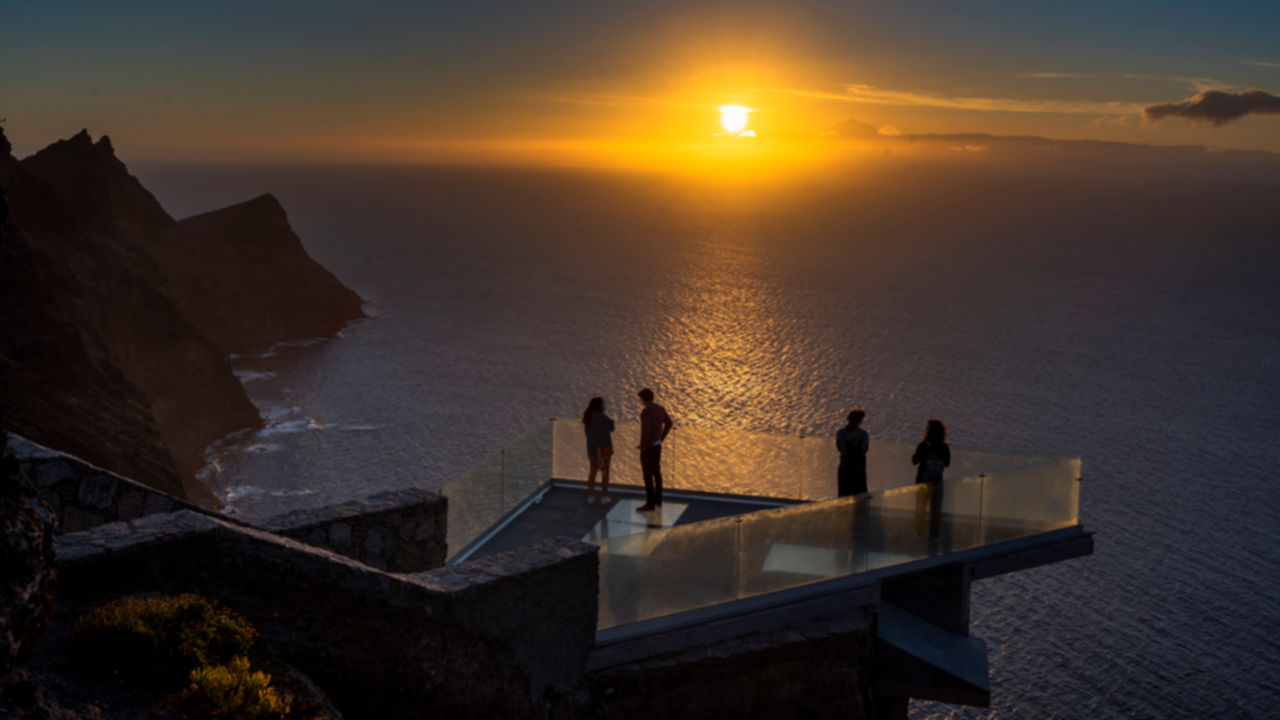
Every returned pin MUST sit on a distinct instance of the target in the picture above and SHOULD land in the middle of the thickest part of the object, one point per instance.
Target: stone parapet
(401, 531)
(85, 496)
(506, 636)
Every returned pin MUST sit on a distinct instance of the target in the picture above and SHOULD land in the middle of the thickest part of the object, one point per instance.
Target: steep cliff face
(277, 291)
(115, 320)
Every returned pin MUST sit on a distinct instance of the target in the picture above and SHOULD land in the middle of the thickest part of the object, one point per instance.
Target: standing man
(852, 442)
(655, 423)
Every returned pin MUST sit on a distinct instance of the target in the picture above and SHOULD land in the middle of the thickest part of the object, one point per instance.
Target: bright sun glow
(733, 118)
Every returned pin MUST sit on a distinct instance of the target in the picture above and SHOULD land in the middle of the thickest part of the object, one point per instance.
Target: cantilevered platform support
(918, 659)
(923, 647)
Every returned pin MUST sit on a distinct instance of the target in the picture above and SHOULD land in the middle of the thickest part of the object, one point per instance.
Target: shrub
(157, 641)
(233, 690)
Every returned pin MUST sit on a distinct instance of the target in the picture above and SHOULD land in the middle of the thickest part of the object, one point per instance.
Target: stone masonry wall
(85, 496)
(819, 668)
(507, 636)
(401, 531)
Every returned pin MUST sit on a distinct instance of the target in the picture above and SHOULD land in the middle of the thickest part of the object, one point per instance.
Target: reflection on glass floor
(625, 518)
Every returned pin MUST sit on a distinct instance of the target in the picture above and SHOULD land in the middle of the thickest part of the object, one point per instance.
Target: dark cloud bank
(1215, 107)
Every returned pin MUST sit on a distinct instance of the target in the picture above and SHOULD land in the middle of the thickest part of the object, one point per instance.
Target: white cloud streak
(1047, 75)
(869, 95)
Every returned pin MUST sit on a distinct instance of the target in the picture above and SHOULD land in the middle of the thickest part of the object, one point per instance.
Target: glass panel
(961, 513)
(1030, 500)
(475, 502)
(899, 526)
(526, 465)
(662, 572)
(797, 546)
(480, 497)
(888, 465)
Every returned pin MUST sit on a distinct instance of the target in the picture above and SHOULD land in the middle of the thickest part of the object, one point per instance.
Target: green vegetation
(159, 640)
(164, 643)
(234, 690)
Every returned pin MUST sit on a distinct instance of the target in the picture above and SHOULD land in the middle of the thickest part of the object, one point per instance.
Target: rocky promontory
(116, 320)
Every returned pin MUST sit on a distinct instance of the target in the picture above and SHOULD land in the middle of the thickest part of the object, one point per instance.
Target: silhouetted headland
(116, 320)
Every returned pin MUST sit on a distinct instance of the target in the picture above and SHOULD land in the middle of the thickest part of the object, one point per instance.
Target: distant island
(116, 320)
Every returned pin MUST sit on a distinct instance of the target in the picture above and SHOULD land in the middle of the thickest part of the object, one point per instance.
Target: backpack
(933, 470)
(931, 467)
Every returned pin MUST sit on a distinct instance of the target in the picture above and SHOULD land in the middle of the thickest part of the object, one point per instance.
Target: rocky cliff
(28, 574)
(116, 320)
(264, 300)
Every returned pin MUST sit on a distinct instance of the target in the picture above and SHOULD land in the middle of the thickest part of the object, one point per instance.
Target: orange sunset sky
(615, 83)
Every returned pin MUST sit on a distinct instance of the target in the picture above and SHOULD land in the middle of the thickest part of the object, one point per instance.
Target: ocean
(1122, 309)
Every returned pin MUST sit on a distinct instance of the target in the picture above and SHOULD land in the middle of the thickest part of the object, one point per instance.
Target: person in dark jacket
(931, 458)
(852, 442)
(655, 423)
(599, 430)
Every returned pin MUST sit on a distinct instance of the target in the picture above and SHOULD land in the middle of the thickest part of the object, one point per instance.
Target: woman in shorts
(599, 429)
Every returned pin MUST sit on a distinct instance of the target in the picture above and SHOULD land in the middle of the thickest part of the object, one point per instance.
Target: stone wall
(504, 636)
(819, 668)
(401, 531)
(85, 496)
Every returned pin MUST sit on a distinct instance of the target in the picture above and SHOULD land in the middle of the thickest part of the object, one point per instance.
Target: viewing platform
(752, 537)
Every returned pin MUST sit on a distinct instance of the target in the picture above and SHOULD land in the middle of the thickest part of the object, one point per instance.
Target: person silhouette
(931, 458)
(852, 442)
(598, 428)
(655, 423)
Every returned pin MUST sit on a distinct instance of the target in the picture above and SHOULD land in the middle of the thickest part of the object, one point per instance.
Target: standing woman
(599, 429)
(931, 457)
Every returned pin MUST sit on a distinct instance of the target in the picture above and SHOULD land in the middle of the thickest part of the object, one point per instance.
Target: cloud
(871, 95)
(854, 129)
(1046, 75)
(1215, 107)
(889, 130)
(1261, 63)
(1116, 121)
(1197, 83)
(971, 148)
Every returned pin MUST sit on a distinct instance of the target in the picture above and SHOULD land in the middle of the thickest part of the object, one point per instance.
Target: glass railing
(717, 561)
(740, 462)
(986, 498)
(485, 494)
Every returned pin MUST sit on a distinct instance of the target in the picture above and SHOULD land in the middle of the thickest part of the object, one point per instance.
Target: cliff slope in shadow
(116, 320)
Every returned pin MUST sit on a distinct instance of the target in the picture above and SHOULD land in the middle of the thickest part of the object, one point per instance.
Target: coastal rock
(265, 287)
(29, 575)
(116, 320)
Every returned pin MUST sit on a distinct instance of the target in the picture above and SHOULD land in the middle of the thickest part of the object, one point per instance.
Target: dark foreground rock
(116, 320)
(28, 575)
(32, 696)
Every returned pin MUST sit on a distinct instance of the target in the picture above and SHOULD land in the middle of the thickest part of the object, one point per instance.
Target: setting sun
(733, 118)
